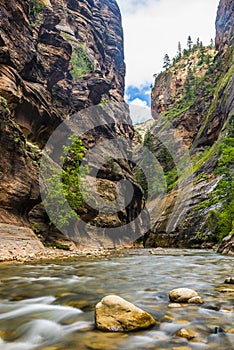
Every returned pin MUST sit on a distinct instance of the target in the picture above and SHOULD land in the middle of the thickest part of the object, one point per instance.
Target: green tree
(189, 43)
(149, 173)
(189, 84)
(179, 49)
(166, 61)
(65, 184)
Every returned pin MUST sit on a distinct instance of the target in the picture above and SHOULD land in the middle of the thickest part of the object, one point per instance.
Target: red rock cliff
(198, 112)
(56, 58)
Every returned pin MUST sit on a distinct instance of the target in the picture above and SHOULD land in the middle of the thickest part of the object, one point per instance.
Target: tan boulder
(186, 333)
(115, 314)
(196, 300)
(182, 295)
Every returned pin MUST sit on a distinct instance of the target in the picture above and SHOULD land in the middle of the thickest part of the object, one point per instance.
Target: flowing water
(50, 306)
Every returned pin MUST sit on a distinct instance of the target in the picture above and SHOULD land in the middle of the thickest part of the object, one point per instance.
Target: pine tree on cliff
(189, 84)
(189, 43)
(166, 61)
(179, 49)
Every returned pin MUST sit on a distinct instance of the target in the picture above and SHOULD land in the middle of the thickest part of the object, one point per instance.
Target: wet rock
(227, 290)
(115, 314)
(186, 333)
(218, 330)
(196, 300)
(184, 295)
(227, 245)
(174, 305)
(213, 307)
(229, 280)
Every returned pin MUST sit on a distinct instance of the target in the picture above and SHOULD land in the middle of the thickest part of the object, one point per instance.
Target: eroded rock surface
(199, 125)
(56, 58)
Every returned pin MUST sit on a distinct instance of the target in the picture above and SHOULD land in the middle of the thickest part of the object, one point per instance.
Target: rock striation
(224, 25)
(57, 57)
(200, 121)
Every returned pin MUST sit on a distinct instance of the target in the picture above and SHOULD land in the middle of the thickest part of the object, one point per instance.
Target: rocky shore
(21, 244)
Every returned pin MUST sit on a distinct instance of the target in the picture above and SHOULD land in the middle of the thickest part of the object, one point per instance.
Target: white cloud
(139, 111)
(139, 102)
(153, 28)
(132, 6)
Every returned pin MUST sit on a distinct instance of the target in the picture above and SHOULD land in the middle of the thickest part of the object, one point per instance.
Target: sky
(153, 28)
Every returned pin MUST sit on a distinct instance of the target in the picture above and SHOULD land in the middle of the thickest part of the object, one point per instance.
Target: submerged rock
(186, 333)
(115, 314)
(185, 295)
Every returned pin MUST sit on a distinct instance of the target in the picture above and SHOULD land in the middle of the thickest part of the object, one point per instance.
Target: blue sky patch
(142, 92)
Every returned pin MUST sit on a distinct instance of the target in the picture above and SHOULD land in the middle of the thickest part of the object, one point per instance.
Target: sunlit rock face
(201, 123)
(224, 25)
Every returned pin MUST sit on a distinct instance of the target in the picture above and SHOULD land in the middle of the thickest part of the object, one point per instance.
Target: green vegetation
(203, 82)
(220, 220)
(181, 106)
(199, 64)
(4, 113)
(36, 228)
(65, 185)
(81, 63)
(156, 173)
(204, 57)
(225, 189)
(36, 11)
(166, 62)
(56, 245)
(103, 102)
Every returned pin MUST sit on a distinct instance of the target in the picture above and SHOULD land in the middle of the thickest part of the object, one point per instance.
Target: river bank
(21, 244)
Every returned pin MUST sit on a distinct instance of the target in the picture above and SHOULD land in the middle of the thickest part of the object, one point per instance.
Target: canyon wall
(194, 98)
(57, 57)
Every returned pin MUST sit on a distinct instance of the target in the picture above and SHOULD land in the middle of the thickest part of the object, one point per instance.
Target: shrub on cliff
(81, 63)
(65, 185)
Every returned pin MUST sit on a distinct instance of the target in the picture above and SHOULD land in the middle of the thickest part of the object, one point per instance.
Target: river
(50, 305)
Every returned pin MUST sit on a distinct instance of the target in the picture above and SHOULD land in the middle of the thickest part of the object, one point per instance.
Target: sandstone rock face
(18, 243)
(224, 25)
(118, 315)
(56, 58)
(227, 246)
(200, 126)
(19, 190)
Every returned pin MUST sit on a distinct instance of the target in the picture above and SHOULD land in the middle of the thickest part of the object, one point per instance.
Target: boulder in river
(185, 295)
(186, 333)
(196, 300)
(115, 314)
